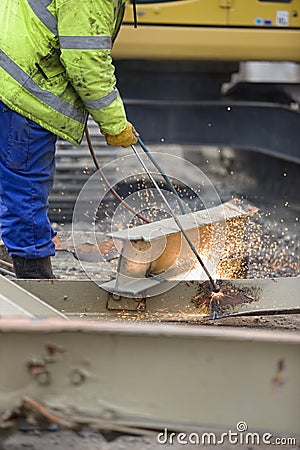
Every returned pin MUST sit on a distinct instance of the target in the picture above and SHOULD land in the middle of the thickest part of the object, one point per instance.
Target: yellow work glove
(126, 138)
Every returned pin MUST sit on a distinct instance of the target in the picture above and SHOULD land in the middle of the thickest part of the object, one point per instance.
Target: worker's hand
(126, 138)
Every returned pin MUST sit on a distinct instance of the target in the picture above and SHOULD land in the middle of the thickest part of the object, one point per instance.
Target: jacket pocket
(50, 65)
(50, 72)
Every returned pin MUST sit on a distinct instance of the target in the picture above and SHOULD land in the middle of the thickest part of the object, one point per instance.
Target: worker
(55, 69)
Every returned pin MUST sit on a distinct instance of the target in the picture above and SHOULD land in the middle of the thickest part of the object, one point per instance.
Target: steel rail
(229, 363)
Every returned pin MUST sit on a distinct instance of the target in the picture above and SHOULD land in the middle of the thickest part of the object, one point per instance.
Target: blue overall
(27, 166)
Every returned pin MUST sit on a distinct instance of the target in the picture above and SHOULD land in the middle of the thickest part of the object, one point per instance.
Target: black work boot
(33, 267)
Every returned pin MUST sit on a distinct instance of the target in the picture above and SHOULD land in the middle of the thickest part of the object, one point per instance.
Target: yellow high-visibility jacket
(55, 63)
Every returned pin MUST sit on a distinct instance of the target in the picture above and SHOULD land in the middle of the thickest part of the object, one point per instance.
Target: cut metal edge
(158, 229)
(145, 329)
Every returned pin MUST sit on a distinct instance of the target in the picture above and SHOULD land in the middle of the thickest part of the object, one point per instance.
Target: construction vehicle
(223, 30)
(192, 59)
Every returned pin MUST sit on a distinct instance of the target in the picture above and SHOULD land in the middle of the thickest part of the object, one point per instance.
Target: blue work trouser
(27, 166)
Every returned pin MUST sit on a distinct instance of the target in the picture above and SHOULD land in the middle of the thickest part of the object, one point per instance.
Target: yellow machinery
(214, 56)
(212, 29)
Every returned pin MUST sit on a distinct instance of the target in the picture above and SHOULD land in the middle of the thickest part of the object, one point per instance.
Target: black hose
(134, 14)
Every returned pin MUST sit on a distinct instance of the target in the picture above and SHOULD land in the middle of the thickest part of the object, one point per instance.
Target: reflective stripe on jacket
(55, 63)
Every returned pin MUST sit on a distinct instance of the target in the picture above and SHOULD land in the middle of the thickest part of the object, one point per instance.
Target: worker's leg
(27, 166)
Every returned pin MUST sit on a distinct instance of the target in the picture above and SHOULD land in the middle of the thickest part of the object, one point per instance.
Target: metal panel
(159, 248)
(185, 12)
(154, 375)
(264, 13)
(207, 43)
(17, 302)
(221, 123)
(151, 231)
(185, 300)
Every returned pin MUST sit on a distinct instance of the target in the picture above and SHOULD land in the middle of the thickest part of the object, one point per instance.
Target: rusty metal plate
(158, 248)
(153, 375)
(182, 301)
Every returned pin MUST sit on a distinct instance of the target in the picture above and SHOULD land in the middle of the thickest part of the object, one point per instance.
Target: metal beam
(15, 301)
(154, 375)
(155, 230)
(159, 247)
(183, 301)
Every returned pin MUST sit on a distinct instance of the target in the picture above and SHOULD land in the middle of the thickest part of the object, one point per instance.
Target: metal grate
(73, 168)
